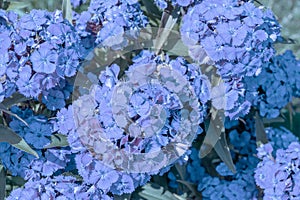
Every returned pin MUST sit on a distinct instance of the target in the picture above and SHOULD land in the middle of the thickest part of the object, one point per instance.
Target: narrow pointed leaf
(213, 132)
(215, 138)
(67, 10)
(168, 21)
(261, 136)
(9, 136)
(14, 100)
(2, 182)
(4, 109)
(223, 152)
(151, 193)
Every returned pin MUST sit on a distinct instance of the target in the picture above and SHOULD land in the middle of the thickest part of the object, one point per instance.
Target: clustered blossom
(7, 86)
(41, 50)
(93, 171)
(127, 129)
(280, 138)
(237, 36)
(154, 107)
(108, 23)
(275, 86)
(37, 134)
(227, 185)
(240, 186)
(58, 187)
(279, 176)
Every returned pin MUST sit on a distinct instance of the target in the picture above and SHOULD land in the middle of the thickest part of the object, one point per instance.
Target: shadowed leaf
(9, 136)
(151, 193)
(58, 140)
(168, 20)
(4, 109)
(67, 10)
(14, 100)
(215, 138)
(2, 182)
(261, 136)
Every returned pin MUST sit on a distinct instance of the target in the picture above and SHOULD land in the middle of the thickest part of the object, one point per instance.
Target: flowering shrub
(105, 99)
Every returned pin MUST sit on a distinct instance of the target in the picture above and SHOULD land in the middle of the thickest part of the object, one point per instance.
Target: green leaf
(2, 182)
(151, 193)
(177, 48)
(67, 10)
(9, 136)
(58, 140)
(215, 138)
(152, 11)
(261, 136)
(4, 109)
(122, 197)
(14, 100)
(213, 131)
(18, 5)
(223, 152)
(192, 187)
(168, 21)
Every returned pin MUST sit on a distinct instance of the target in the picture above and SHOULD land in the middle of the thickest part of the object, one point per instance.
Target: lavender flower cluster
(108, 23)
(41, 49)
(151, 119)
(279, 176)
(237, 36)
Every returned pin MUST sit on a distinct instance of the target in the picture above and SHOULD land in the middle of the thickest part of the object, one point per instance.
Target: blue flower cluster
(58, 187)
(231, 186)
(153, 106)
(275, 86)
(279, 176)
(37, 134)
(137, 121)
(41, 50)
(280, 138)
(227, 185)
(237, 36)
(108, 23)
(94, 172)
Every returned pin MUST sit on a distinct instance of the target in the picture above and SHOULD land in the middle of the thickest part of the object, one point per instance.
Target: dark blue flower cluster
(37, 134)
(224, 184)
(275, 86)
